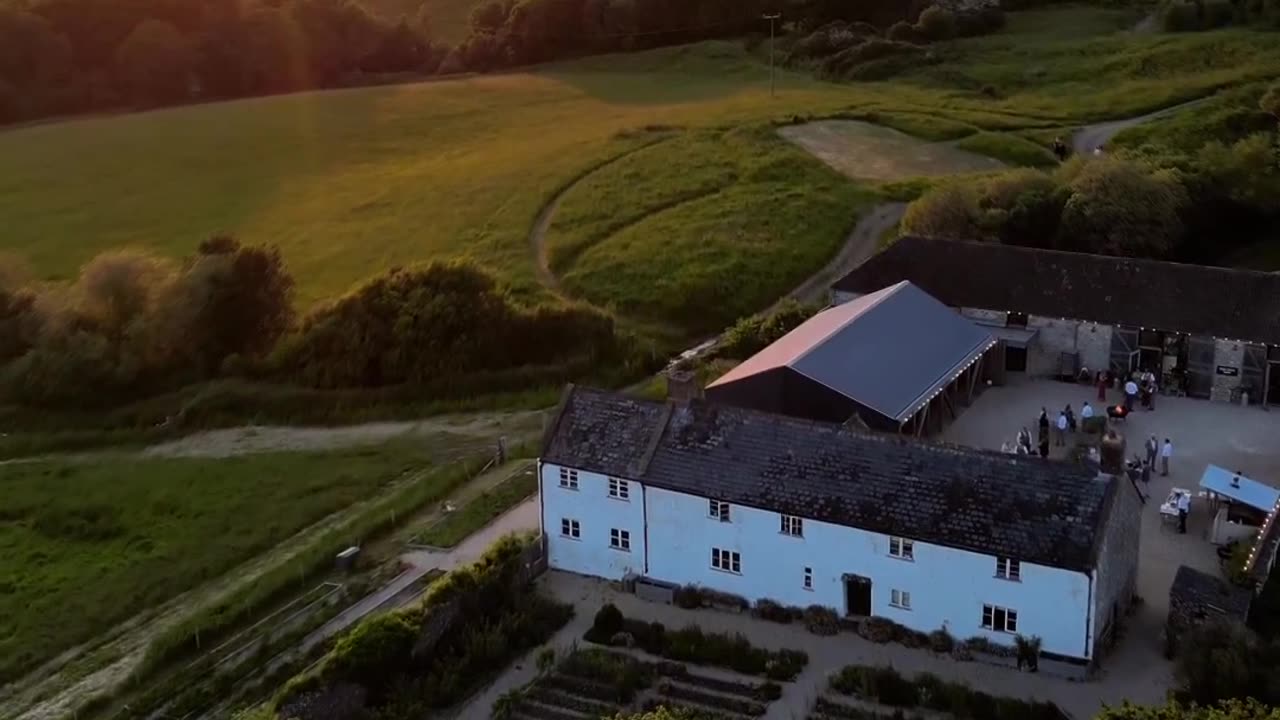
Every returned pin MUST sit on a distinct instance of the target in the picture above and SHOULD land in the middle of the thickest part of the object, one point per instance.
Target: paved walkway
(826, 655)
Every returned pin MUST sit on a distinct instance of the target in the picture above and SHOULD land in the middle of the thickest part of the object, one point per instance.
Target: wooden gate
(1253, 374)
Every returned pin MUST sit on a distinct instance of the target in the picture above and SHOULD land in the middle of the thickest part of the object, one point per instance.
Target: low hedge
(764, 692)
(622, 675)
(571, 701)
(887, 686)
(735, 704)
(582, 687)
(691, 644)
(827, 708)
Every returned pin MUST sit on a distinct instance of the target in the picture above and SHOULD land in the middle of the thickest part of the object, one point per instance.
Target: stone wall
(1044, 356)
(1230, 353)
(1093, 342)
(1117, 570)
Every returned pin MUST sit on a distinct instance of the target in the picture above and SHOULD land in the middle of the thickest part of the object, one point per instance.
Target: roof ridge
(884, 294)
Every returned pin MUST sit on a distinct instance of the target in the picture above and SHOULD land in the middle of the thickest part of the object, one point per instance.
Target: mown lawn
(483, 509)
(89, 544)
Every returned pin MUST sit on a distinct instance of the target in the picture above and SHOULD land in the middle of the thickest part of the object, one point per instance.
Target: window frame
(729, 561)
(1008, 568)
(906, 548)
(568, 478)
(1008, 618)
(900, 599)
(718, 510)
(570, 528)
(808, 579)
(791, 525)
(620, 489)
(620, 539)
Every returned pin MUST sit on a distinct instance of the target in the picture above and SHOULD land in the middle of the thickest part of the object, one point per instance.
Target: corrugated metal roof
(889, 350)
(1249, 492)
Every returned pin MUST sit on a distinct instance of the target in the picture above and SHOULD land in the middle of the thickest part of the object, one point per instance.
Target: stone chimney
(1112, 453)
(683, 386)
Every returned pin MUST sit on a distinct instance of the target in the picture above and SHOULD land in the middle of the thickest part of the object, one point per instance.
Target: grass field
(349, 183)
(90, 544)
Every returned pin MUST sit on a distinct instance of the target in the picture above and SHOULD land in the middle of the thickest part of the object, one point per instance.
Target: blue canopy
(1239, 488)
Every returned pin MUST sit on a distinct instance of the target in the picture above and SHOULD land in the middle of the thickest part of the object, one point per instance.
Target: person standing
(1086, 411)
(1146, 477)
(1024, 440)
(1184, 509)
(1044, 444)
(1166, 452)
(1130, 392)
(1152, 447)
(1102, 387)
(1062, 429)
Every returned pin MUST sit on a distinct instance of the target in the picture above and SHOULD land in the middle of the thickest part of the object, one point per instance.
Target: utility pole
(771, 17)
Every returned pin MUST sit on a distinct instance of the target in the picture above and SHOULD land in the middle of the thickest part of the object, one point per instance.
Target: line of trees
(73, 56)
(132, 324)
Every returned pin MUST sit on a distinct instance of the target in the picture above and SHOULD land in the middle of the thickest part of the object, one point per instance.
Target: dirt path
(1091, 137)
(255, 439)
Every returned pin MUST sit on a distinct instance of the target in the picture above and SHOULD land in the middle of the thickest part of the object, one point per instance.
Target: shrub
(903, 32)
(940, 641)
(1028, 650)
(1181, 17)
(937, 24)
(688, 597)
(881, 630)
(608, 620)
(752, 334)
(945, 212)
(845, 62)
(821, 620)
(774, 611)
(1117, 208)
(738, 705)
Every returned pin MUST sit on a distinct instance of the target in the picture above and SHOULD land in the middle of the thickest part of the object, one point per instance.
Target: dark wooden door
(1199, 367)
(1253, 374)
(857, 590)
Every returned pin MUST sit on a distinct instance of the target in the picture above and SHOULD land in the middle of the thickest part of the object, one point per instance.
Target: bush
(774, 611)
(940, 641)
(1117, 208)
(688, 597)
(903, 32)
(608, 621)
(741, 706)
(821, 620)
(1181, 17)
(752, 334)
(846, 62)
(886, 686)
(944, 212)
(937, 24)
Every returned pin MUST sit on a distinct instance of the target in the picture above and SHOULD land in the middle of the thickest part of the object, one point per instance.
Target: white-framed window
(902, 548)
(726, 560)
(619, 489)
(999, 619)
(792, 525)
(570, 528)
(900, 599)
(808, 578)
(1008, 569)
(718, 509)
(568, 478)
(620, 539)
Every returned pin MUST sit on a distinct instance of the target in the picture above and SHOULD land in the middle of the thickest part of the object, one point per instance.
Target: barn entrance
(857, 595)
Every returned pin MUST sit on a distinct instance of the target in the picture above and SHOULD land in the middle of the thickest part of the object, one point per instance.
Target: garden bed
(692, 644)
(886, 686)
(684, 693)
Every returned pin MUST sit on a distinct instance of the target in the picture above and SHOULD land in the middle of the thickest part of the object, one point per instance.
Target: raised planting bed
(697, 711)
(825, 708)
(533, 711)
(763, 692)
(572, 702)
(585, 688)
(742, 706)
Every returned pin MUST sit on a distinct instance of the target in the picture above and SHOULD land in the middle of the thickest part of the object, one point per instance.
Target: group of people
(1064, 424)
(1140, 387)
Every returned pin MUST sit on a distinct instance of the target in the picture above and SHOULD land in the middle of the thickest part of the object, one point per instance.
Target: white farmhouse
(802, 512)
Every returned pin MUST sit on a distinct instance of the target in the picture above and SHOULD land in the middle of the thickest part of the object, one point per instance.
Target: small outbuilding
(1196, 598)
(895, 359)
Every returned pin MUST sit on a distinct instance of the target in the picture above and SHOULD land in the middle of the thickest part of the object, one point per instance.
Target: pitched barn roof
(889, 350)
(1194, 299)
(1042, 512)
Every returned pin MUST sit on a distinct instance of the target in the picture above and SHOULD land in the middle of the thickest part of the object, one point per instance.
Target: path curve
(1091, 137)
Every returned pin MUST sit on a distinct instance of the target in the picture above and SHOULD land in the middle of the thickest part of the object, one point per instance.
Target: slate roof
(1042, 512)
(1210, 592)
(889, 350)
(1195, 299)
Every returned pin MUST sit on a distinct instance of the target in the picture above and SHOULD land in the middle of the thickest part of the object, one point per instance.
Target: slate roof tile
(1042, 512)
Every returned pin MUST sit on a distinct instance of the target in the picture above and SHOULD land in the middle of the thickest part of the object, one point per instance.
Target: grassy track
(456, 527)
(88, 545)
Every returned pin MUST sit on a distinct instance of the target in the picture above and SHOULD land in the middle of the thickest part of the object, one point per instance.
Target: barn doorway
(857, 595)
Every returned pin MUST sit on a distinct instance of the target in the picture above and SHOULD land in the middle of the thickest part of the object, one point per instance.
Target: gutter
(644, 514)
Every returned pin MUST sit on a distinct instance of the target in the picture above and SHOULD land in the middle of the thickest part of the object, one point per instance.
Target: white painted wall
(948, 587)
(597, 514)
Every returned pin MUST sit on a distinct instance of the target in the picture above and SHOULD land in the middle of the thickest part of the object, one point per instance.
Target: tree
(1248, 709)
(937, 23)
(1270, 102)
(154, 63)
(490, 17)
(34, 62)
(118, 290)
(1247, 171)
(1021, 207)
(1116, 208)
(1217, 662)
(946, 212)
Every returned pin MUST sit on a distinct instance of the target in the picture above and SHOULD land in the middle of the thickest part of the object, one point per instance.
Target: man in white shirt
(1166, 452)
(1184, 507)
(1086, 412)
(1062, 428)
(1130, 392)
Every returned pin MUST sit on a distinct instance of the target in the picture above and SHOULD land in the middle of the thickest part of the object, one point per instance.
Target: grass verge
(459, 525)
(1008, 148)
